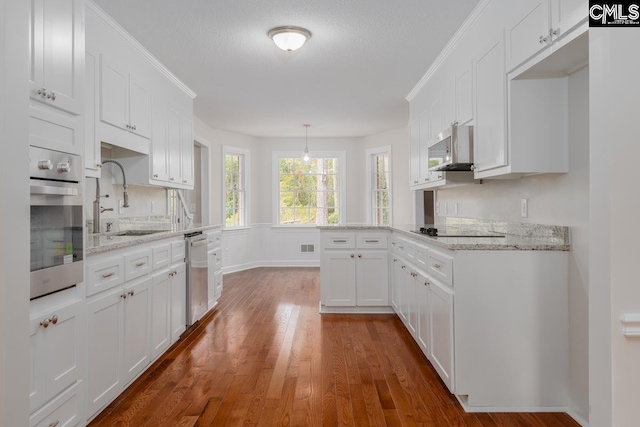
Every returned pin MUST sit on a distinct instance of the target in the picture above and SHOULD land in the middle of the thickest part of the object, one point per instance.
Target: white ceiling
(350, 79)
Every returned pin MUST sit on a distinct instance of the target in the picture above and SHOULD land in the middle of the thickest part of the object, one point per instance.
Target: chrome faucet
(97, 209)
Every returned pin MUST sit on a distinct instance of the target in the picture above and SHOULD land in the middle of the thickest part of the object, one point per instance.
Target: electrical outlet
(120, 207)
(524, 208)
(437, 208)
(446, 209)
(455, 208)
(153, 206)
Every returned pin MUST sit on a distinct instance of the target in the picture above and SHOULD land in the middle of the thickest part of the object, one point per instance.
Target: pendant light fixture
(305, 155)
(289, 38)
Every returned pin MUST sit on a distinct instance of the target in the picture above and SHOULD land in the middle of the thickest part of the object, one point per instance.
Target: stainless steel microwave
(452, 149)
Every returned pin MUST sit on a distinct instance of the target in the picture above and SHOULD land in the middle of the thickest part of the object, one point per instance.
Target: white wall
(14, 214)
(398, 139)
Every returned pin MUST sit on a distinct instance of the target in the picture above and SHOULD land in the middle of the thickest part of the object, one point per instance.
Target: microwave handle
(55, 191)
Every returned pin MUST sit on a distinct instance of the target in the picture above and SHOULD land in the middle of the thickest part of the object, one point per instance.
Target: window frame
(245, 155)
(371, 179)
(275, 174)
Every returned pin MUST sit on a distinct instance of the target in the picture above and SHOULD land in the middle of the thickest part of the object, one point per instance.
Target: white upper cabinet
(539, 24)
(414, 153)
(125, 102)
(448, 105)
(423, 147)
(435, 117)
(464, 95)
(490, 142)
(57, 54)
(186, 141)
(92, 158)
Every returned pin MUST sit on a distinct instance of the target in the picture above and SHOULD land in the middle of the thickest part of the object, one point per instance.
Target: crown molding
(464, 28)
(103, 16)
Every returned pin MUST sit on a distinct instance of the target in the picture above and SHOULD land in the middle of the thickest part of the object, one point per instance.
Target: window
(236, 167)
(309, 193)
(379, 178)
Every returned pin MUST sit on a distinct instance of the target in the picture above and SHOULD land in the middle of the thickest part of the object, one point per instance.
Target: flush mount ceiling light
(305, 155)
(289, 38)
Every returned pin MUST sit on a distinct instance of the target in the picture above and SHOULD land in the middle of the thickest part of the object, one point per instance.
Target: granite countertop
(517, 236)
(104, 242)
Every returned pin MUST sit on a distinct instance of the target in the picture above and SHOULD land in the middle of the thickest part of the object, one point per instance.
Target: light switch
(524, 208)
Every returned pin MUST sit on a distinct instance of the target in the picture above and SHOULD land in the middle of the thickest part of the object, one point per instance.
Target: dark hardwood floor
(266, 357)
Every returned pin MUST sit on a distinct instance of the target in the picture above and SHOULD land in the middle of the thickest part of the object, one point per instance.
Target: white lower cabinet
(160, 312)
(118, 340)
(178, 289)
(55, 361)
(440, 324)
(354, 270)
(423, 333)
(63, 411)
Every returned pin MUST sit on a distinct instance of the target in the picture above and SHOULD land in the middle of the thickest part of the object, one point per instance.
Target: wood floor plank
(266, 357)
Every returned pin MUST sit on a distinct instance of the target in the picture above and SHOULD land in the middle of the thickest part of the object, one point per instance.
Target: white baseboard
(473, 409)
(577, 418)
(355, 310)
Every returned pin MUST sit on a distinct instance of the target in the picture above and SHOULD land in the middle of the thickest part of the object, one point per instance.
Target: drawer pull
(54, 423)
(437, 266)
(140, 264)
(372, 241)
(339, 241)
(131, 292)
(54, 319)
(352, 255)
(45, 323)
(104, 276)
(359, 255)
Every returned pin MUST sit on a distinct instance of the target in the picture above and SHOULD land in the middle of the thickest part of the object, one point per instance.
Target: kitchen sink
(138, 232)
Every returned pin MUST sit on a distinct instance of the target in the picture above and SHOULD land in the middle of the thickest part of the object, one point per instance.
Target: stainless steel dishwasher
(197, 276)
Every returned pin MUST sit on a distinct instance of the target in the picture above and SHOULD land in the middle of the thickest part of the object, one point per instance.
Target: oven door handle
(54, 191)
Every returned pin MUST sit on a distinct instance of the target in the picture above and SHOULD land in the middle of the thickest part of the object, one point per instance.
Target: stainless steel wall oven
(56, 221)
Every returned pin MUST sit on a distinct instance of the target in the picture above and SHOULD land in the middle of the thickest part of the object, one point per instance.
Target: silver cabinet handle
(51, 96)
(104, 276)
(140, 264)
(123, 296)
(54, 319)
(171, 179)
(404, 266)
(553, 32)
(352, 255)
(184, 181)
(371, 241)
(436, 266)
(131, 292)
(42, 92)
(359, 255)
(45, 322)
(54, 423)
(339, 241)
(155, 175)
(134, 127)
(542, 39)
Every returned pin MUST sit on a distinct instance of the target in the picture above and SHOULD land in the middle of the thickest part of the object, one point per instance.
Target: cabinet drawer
(214, 239)
(371, 240)
(137, 264)
(440, 266)
(177, 251)
(407, 248)
(104, 274)
(64, 410)
(336, 240)
(422, 257)
(161, 256)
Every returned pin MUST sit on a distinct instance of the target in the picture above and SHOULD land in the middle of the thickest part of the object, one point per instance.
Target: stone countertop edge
(508, 243)
(128, 241)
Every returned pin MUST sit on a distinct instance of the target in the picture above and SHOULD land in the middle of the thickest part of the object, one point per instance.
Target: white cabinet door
(104, 355)
(441, 323)
(435, 117)
(414, 152)
(160, 142)
(57, 53)
(219, 284)
(92, 157)
(139, 107)
(566, 14)
(490, 142)
(403, 293)
(423, 149)
(175, 146)
(529, 32)
(55, 357)
(211, 279)
(372, 273)
(338, 278)
(160, 313)
(448, 104)
(137, 328)
(114, 97)
(422, 303)
(65, 410)
(178, 301)
(464, 95)
(395, 284)
(186, 136)
(412, 306)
